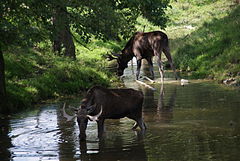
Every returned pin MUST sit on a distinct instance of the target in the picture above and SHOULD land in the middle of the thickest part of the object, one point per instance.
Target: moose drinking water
(101, 103)
(144, 45)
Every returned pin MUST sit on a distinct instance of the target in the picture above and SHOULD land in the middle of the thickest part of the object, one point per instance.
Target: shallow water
(198, 121)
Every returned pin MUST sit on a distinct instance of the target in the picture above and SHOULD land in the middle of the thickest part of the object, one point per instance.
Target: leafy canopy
(25, 22)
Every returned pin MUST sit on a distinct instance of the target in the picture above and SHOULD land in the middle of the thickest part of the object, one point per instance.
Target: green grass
(186, 16)
(37, 74)
(213, 50)
(205, 38)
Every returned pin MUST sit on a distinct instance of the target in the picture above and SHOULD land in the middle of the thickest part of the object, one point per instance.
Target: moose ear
(73, 108)
(115, 54)
(91, 108)
(112, 56)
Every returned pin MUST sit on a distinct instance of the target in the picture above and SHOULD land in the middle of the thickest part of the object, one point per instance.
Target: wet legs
(169, 57)
(160, 67)
(100, 124)
(150, 66)
(139, 63)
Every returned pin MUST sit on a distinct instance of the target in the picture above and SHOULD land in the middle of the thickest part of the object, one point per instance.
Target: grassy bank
(36, 74)
(205, 38)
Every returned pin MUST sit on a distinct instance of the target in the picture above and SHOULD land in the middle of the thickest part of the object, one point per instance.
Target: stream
(198, 121)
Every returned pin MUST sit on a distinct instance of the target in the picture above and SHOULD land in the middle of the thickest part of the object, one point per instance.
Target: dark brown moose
(101, 103)
(144, 45)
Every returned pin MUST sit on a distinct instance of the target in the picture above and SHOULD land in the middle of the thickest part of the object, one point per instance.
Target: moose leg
(150, 66)
(141, 124)
(139, 63)
(169, 57)
(160, 67)
(100, 124)
(158, 53)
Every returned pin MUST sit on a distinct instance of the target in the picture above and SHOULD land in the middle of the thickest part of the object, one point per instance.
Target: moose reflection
(165, 111)
(101, 103)
(119, 152)
(161, 102)
(117, 144)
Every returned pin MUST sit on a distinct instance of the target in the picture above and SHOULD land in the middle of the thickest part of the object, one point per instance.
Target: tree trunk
(3, 94)
(62, 37)
(57, 32)
(69, 44)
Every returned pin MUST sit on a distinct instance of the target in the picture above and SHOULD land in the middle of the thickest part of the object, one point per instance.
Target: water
(199, 121)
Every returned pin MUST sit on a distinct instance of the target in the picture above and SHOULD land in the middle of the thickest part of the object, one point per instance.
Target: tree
(61, 32)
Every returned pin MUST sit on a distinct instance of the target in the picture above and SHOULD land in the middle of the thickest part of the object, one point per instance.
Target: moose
(102, 103)
(144, 45)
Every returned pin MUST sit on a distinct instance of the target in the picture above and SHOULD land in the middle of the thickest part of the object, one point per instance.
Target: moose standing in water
(144, 46)
(101, 103)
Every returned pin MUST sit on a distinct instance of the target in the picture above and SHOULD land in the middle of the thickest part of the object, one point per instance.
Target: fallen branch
(149, 79)
(146, 85)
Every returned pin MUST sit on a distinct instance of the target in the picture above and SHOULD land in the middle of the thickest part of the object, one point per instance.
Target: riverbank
(35, 74)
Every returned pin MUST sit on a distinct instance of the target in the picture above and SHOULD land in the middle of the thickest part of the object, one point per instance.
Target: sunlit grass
(204, 37)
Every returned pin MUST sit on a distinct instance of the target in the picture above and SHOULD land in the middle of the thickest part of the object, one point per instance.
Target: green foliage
(154, 11)
(144, 25)
(113, 19)
(25, 22)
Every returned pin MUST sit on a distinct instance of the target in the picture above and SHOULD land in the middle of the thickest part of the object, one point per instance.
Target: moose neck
(127, 53)
(128, 50)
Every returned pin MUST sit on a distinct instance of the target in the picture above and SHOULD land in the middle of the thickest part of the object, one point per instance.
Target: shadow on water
(199, 121)
(5, 140)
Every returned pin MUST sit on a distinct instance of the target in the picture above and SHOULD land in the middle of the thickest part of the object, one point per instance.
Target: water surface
(199, 121)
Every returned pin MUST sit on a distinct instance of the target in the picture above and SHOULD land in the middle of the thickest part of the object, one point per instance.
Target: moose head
(122, 61)
(83, 115)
